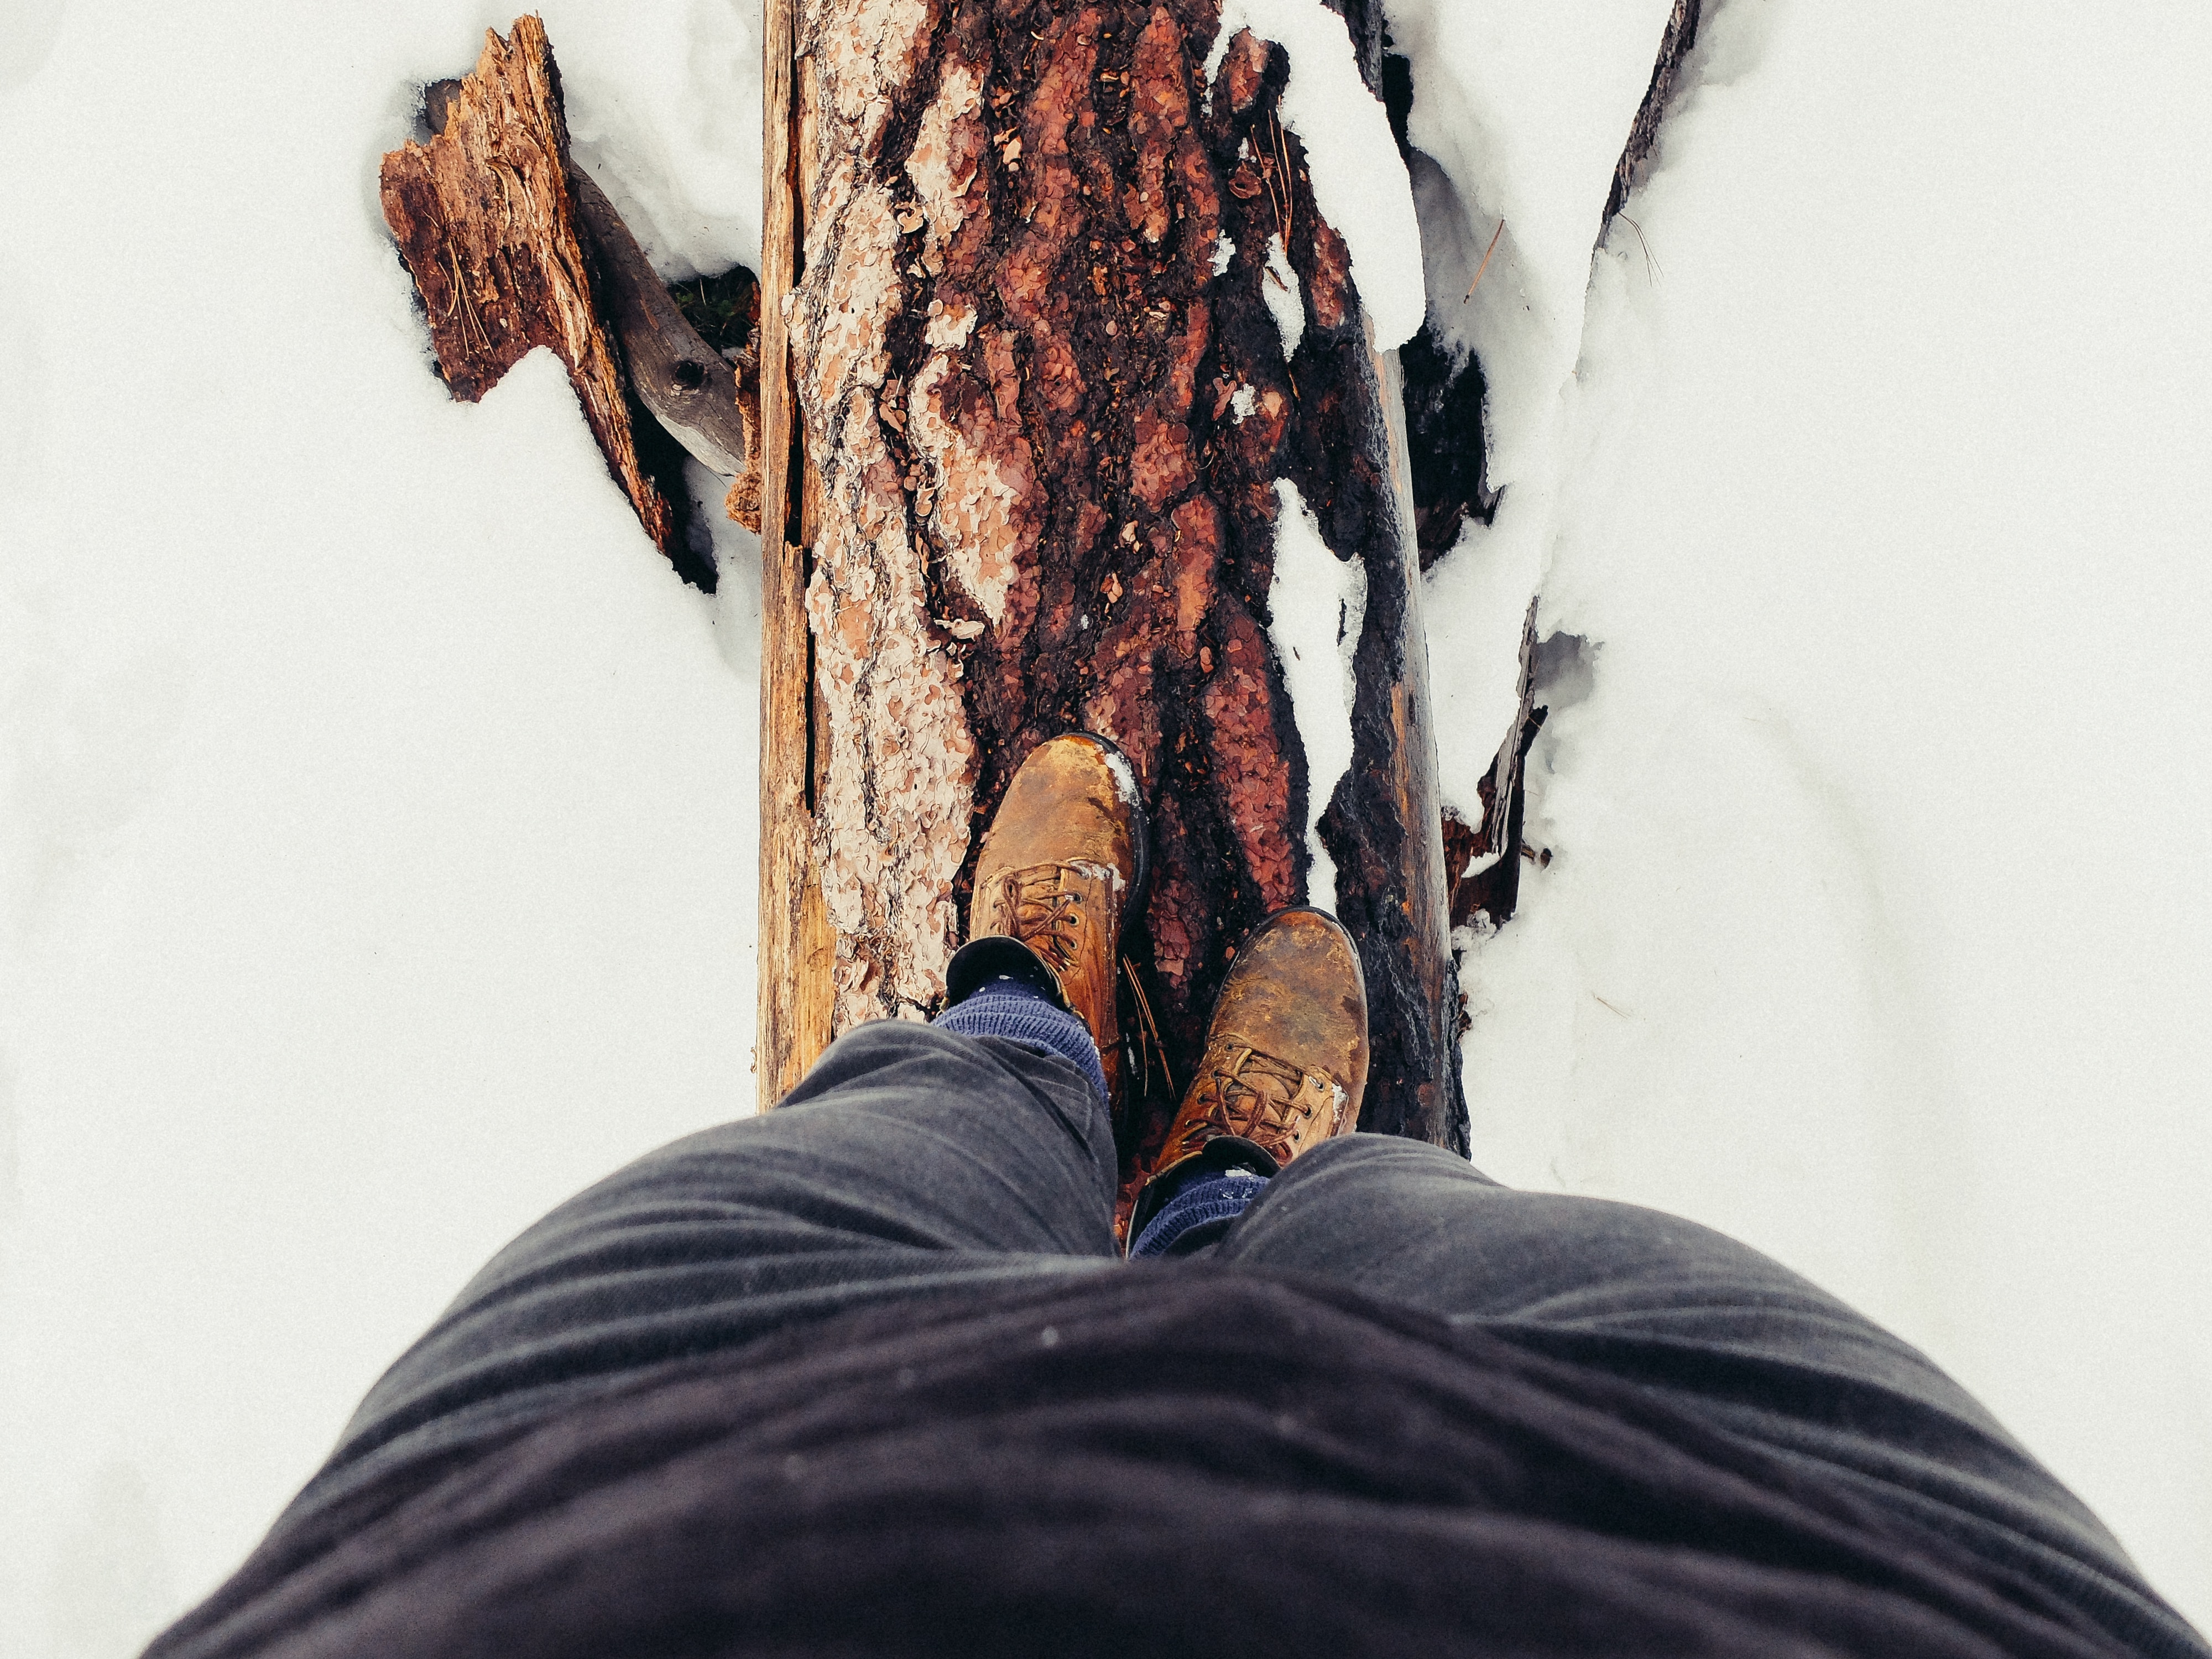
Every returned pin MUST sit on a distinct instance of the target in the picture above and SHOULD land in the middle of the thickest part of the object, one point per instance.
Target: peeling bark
(1046, 429)
(487, 227)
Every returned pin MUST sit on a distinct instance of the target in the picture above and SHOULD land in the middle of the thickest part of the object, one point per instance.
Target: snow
(664, 112)
(376, 808)
(1358, 183)
(1286, 304)
(1125, 778)
(1877, 928)
(1525, 110)
(1518, 120)
(1318, 602)
(376, 812)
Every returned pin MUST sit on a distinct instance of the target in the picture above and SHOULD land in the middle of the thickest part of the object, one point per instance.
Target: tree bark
(1482, 861)
(1046, 432)
(1674, 45)
(486, 225)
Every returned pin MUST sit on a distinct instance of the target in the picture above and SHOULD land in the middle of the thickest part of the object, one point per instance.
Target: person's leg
(909, 1160)
(1701, 1319)
(912, 1159)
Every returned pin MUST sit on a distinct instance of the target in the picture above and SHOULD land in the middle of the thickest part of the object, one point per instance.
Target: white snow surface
(1318, 602)
(663, 112)
(1358, 183)
(1878, 929)
(1525, 109)
(377, 843)
(1518, 120)
(1285, 296)
(377, 810)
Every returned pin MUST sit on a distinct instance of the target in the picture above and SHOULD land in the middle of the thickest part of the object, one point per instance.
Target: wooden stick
(1485, 265)
(794, 1024)
(686, 384)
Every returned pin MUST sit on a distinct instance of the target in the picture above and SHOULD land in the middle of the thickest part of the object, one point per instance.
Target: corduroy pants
(918, 1163)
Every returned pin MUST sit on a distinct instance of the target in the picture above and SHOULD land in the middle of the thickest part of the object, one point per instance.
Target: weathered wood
(1482, 861)
(486, 225)
(688, 387)
(793, 952)
(1390, 889)
(1675, 44)
(1048, 430)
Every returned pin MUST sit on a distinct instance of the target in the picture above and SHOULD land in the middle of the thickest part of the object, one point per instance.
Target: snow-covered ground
(1878, 929)
(376, 844)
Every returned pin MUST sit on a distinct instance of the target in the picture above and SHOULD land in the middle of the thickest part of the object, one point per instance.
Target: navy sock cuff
(1009, 1009)
(1199, 1213)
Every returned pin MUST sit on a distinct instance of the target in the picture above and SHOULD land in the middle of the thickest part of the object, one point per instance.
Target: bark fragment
(1483, 860)
(487, 227)
(1675, 44)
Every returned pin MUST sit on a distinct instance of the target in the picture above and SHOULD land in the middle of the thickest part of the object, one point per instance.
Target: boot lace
(1048, 918)
(1259, 1085)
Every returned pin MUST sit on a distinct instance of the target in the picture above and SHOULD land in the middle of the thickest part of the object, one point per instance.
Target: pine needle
(1148, 1037)
(1485, 265)
(1652, 273)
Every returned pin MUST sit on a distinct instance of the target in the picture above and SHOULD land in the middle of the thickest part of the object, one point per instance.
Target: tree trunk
(1043, 407)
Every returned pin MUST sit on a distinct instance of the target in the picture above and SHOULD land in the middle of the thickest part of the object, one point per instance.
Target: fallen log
(1040, 416)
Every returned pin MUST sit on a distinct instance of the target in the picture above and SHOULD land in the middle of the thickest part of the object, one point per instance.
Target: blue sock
(1007, 1008)
(1199, 1213)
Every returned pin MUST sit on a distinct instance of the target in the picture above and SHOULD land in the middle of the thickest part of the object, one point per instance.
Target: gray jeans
(916, 1162)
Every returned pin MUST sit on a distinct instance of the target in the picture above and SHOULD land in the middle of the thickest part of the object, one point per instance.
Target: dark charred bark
(1443, 428)
(1482, 863)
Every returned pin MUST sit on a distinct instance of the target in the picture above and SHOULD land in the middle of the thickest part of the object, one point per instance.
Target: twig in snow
(1485, 265)
(1149, 1046)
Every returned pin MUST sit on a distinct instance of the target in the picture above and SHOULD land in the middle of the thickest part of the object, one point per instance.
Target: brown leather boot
(1061, 863)
(1285, 1058)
